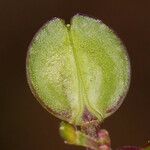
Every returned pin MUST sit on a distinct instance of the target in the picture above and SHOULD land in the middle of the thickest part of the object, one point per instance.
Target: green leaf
(78, 72)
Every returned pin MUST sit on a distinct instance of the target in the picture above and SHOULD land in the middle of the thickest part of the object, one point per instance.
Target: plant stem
(90, 129)
(101, 136)
(90, 136)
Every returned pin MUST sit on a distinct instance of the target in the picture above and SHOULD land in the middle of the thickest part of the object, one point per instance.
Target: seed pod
(78, 72)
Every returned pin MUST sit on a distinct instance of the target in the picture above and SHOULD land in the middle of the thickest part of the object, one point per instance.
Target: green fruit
(78, 72)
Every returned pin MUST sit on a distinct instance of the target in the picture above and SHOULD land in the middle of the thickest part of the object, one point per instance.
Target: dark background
(24, 124)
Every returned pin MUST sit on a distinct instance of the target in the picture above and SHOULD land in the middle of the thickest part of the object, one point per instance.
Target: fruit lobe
(78, 72)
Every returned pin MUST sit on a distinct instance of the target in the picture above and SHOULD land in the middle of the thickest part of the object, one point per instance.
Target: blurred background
(24, 124)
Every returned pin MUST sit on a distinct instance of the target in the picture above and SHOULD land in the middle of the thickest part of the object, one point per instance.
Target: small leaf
(68, 133)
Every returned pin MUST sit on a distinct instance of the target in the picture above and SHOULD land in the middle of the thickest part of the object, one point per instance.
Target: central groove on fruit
(82, 93)
(77, 113)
